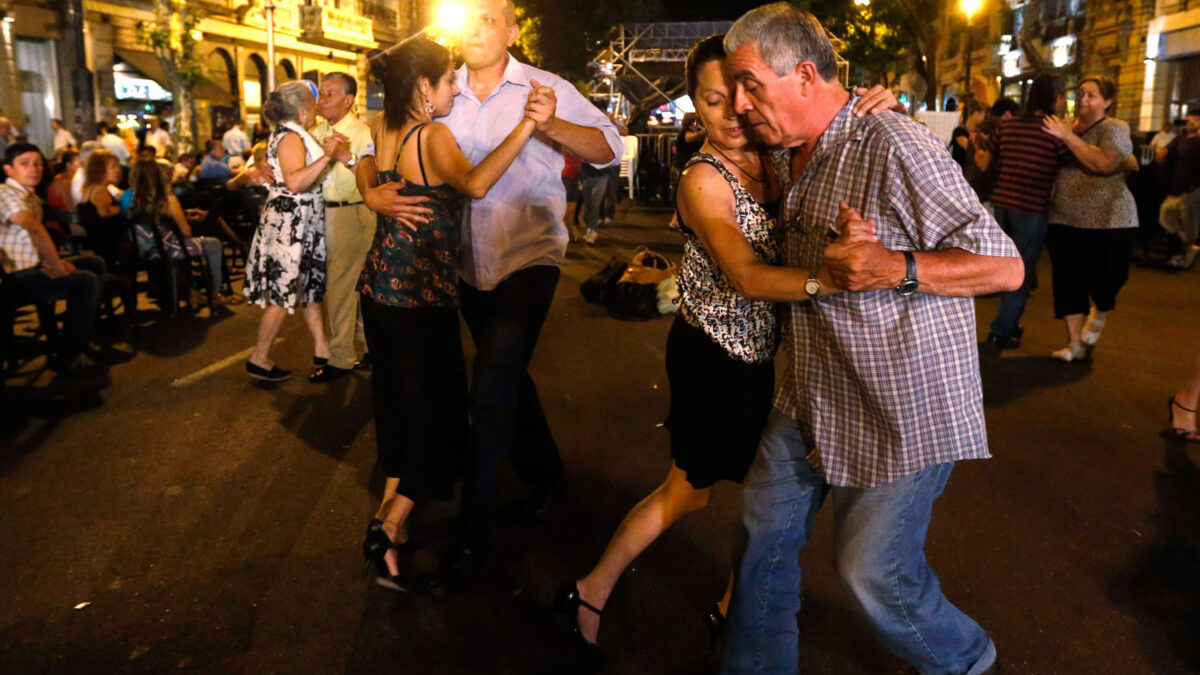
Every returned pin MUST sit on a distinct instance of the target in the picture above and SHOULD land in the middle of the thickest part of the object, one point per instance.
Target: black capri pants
(1088, 264)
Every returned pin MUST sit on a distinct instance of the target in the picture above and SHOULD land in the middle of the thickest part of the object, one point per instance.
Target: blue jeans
(879, 554)
(1028, 232)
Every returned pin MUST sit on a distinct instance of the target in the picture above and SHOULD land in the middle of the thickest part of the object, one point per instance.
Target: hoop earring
(429, 107)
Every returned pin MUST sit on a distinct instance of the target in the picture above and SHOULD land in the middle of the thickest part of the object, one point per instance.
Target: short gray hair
(87, 149)
(786, 37)
(349, 84)
(284, 104)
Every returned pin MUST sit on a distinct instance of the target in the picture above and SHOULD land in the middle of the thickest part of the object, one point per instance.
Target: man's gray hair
(786, 37)
(284, 104)
(349, 84)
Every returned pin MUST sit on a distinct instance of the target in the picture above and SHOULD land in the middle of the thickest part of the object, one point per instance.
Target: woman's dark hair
(149, 187)
(972, 106)
(1108, 89)
(401, 70)
(709, 49)
(1044, 93)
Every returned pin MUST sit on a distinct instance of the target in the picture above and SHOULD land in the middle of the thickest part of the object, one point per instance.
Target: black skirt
(719, 406)
(419, 386)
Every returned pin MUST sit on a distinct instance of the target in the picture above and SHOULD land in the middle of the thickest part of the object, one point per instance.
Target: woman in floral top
(410, 293)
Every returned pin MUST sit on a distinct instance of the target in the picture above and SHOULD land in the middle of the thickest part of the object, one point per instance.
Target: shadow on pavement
(1161, 585)
(1008, 379)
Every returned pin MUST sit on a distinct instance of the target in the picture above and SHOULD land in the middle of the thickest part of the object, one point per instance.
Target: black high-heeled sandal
(1174, 433)
(714, 621)
(568, 600)
(375, 549)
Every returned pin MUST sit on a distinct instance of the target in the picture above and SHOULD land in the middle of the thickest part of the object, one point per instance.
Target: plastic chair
(629, 160)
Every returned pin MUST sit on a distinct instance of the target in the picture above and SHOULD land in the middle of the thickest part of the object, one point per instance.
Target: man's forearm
(955, 272)
(588, 143)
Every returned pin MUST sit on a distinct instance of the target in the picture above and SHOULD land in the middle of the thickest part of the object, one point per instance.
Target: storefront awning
(147, 63)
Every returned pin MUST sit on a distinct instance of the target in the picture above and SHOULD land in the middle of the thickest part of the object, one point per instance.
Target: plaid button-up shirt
(16, 247)
(884, 385)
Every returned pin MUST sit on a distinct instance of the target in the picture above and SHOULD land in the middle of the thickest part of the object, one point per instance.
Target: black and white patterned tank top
(745, 328)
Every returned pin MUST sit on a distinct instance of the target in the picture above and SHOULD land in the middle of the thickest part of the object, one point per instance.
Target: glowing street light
(862, 3)
(969, 8)
(450, 16)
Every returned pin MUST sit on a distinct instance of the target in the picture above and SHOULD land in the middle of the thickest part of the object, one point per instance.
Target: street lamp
(969, 8)
(450, 16)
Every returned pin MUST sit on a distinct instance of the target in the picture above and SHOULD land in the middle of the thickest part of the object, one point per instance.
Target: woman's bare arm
(451, 166)
(298, 174)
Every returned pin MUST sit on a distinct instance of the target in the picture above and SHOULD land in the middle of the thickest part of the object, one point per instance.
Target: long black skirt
(719, 407)
(419, 383)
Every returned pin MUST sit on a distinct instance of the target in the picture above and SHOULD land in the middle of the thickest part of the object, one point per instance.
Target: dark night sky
(707, 10)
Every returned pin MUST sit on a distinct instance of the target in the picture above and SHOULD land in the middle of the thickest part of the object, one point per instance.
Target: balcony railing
(335, 25)
(379, 13)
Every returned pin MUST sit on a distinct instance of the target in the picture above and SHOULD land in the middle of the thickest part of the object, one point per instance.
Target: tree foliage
(171, 36)
(885, 36)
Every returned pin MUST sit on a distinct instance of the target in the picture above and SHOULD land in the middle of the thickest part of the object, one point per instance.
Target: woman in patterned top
(285, 267)
(410, 292)
(721, 348)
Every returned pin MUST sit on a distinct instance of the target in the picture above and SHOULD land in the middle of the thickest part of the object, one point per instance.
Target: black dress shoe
(364, 363)
(275, 374)
(715, 622)
(1002, 342)
(326, 373)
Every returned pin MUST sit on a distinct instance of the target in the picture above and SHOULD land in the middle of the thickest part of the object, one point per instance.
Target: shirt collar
(514, 73)
(12, 182)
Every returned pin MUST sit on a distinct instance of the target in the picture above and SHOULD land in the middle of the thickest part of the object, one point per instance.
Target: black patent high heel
(714, 620)
(568, 600)
(375, 548)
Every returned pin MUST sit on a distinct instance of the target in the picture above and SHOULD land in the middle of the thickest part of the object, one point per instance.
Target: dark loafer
(275, 374)
(364, 363)
(326, 373)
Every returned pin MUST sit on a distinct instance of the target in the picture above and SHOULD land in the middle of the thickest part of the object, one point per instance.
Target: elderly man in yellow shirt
(349, 226)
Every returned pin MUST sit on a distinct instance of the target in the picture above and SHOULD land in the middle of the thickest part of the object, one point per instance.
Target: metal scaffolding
(643, 64)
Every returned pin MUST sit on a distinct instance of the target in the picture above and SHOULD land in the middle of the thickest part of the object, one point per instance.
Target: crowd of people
(818, 224)
(1059, 183)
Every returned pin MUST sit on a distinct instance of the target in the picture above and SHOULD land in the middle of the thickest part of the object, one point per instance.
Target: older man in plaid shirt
(880, 390)
(32, 265)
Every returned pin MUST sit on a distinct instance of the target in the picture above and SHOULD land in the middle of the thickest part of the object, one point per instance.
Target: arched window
(284, 72)
(255, 82)
(220, 69)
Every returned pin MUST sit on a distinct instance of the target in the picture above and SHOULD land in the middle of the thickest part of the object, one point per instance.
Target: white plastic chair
(629, 162)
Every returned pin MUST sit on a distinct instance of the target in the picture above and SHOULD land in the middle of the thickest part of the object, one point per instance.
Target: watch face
(908, 287)
(812, 287)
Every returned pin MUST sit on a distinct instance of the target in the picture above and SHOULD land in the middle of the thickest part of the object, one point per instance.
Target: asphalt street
(182, 519)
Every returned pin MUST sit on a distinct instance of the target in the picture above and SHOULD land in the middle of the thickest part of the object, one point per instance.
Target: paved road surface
(216, 526)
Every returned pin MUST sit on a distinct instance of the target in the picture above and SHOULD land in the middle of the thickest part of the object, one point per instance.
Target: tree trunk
(184, 130)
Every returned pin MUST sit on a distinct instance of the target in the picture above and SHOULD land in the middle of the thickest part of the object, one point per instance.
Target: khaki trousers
(349, 231)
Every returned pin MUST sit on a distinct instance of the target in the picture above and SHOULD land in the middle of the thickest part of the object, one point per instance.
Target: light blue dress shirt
(519, 223)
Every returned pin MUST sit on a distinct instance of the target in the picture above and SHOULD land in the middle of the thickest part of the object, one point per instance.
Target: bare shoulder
(702, 186)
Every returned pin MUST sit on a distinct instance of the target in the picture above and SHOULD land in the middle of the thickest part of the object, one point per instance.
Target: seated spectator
(98, 211)
(59, 195)
(255, 172)
(185, 168)
(85, 151)
(213, 167)
(146, 202)
(35, 269)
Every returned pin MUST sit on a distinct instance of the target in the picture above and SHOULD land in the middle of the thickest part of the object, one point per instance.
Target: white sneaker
(590, 236)
(1092, 329)
(1069, 353)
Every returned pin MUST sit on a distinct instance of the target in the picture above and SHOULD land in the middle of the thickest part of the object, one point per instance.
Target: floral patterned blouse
(416, 269)
(745, 328)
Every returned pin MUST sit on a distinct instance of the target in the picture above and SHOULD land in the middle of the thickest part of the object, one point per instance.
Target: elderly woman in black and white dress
(285, 267)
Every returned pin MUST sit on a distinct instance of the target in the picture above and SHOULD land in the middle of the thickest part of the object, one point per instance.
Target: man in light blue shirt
(513, 245)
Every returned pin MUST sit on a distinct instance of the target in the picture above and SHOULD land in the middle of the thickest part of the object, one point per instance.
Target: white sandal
(1091, 331)
(1069, 353)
